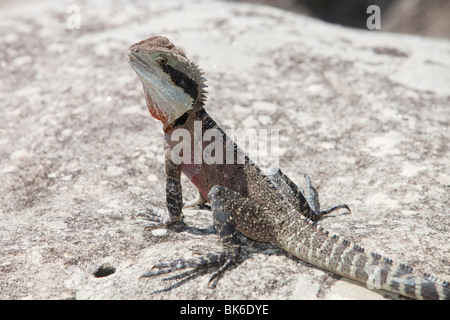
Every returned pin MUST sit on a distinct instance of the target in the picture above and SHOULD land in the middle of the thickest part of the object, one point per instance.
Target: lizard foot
(312, 197)
(157, 219)
(198, 201)
(219, 258)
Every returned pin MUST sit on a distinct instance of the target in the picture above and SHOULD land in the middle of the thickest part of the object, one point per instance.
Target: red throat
(154, 110)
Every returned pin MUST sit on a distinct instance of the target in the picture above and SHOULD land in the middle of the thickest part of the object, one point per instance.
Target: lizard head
(172, 84)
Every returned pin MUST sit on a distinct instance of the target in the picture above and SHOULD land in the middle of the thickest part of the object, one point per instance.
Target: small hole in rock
(104, 271)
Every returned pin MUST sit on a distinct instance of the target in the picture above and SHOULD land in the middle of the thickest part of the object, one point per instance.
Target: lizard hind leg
(290, 191)
(312, 197)
(306, 202)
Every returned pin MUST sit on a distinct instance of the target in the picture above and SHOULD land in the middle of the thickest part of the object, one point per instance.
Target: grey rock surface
(365, 114)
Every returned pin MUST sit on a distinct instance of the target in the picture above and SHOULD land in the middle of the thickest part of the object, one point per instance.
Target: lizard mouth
(130, 56)
(134, 60)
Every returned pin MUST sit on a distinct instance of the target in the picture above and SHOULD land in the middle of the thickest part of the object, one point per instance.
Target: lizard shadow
(249, 248)
(184, 276)
(192, 274)
(182, 226)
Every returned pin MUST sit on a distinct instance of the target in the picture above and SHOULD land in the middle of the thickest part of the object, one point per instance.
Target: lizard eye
(161, 61)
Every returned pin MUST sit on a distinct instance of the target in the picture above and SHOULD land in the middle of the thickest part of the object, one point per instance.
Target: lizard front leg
(174, 198)
(224, 206)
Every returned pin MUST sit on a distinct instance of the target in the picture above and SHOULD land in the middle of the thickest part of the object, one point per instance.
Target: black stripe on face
(181, 80)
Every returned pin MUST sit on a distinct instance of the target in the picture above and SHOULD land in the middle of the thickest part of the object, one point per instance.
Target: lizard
(263, 206)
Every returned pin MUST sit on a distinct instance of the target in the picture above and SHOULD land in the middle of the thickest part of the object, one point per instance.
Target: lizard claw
(341, 206)
(151, 214)
(157, 220)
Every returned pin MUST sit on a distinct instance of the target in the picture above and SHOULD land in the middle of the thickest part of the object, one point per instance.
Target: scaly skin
(264, 207)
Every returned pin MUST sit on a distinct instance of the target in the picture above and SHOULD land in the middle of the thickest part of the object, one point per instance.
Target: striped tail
(305, 240)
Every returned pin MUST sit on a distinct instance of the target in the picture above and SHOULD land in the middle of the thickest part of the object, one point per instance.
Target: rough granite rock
(365, 114)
